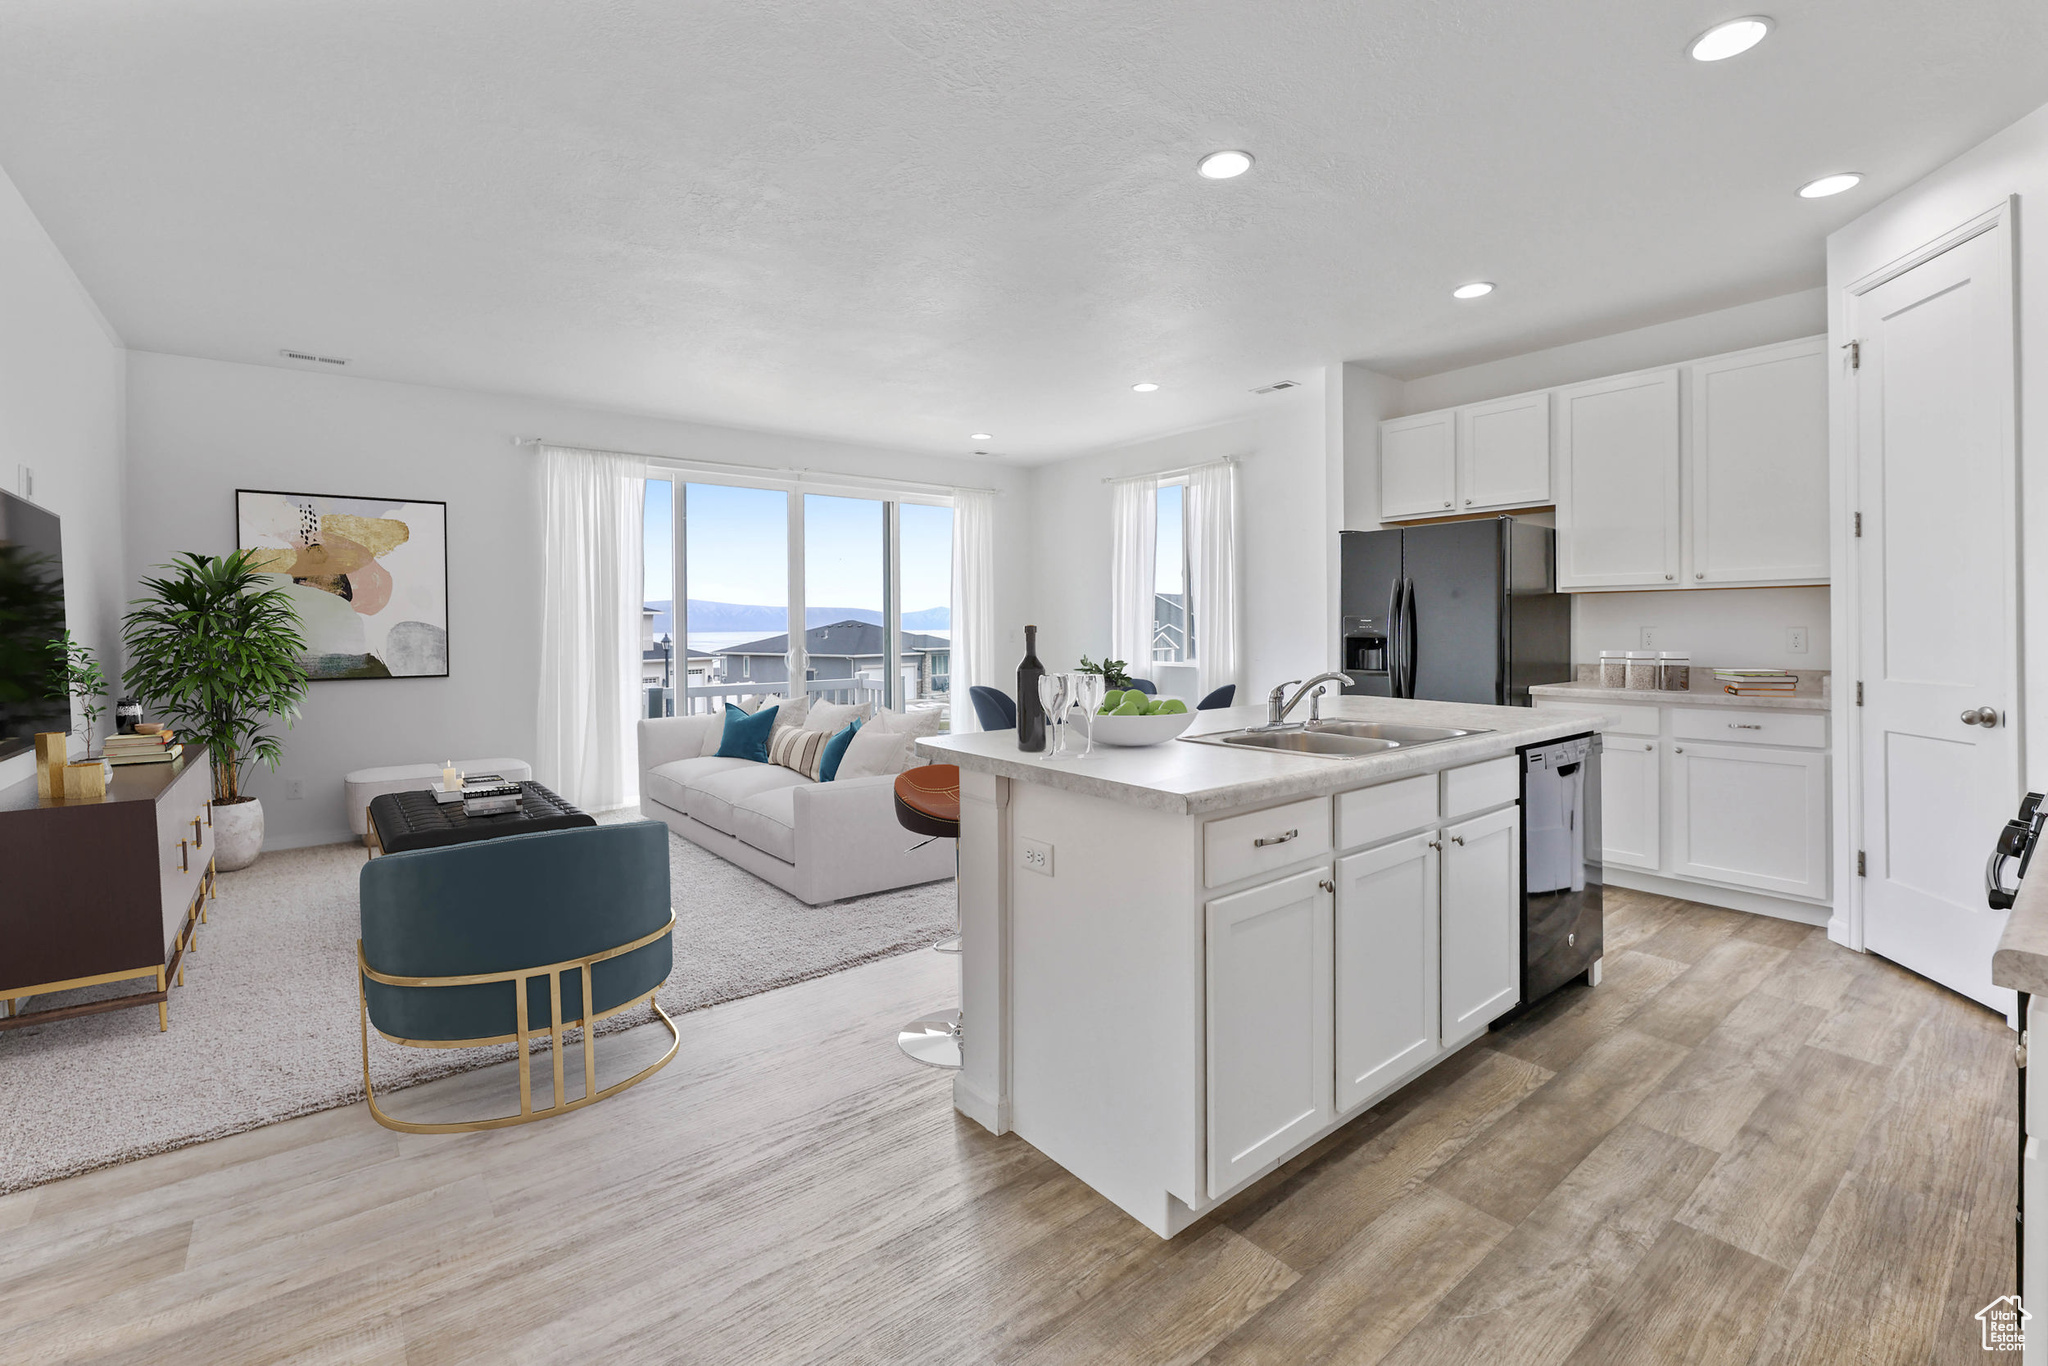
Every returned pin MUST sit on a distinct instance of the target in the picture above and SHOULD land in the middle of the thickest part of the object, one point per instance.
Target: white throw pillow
(790, 711)
(874, 751)
(923, 723)
(833, 717)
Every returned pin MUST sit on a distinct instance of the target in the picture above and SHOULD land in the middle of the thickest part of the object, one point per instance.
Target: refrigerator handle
(1408, 637)
(1394, 639)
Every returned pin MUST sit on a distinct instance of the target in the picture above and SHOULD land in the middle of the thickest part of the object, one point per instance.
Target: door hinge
(1859, 694)
(1859, 524)
(1855, 350)
(1860, 865)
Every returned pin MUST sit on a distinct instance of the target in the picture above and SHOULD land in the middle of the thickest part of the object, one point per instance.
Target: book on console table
(157, 756)
(498, 799)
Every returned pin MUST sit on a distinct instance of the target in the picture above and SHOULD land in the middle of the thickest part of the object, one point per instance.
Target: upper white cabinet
(1418, 466)
(1504, 453)
(1759, 465)
(1478, 458)
(1617, 482)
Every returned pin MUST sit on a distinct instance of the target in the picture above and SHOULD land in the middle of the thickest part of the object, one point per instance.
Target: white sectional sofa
(817, 841)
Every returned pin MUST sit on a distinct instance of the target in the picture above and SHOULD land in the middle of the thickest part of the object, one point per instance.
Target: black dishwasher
(1562, 874)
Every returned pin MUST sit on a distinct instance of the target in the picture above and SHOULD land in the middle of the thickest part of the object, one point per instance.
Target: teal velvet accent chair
(502, 940)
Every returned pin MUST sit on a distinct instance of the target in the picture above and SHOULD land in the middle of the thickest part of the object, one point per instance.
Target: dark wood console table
(104, 889)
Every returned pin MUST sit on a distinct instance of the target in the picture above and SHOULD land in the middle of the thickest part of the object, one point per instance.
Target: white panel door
(1269, 1023)
(1418, 465)
(1760, 465)
(1751, 816)
(1482, 922)
(1386, 951)
(1504, 453)
(1617, 482)
(1630, 809)
(1936, 575)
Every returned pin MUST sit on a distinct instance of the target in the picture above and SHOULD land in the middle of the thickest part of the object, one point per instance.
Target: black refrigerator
(1454, 612)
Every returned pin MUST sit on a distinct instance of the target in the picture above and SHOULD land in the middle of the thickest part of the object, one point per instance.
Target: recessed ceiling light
(1145, 388)
(979, 436)
(1730, 39)
(1831, 184)
(1477, 289)
(1223, 165)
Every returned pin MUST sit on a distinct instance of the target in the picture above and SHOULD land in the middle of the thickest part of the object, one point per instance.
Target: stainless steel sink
(1333, 739)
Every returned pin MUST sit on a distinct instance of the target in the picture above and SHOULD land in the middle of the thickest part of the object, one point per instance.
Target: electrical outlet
(1649, 640)
(294, 789)
(1036, 855)
(1795, 640)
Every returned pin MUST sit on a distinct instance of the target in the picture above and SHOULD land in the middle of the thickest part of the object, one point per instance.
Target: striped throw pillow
(801, 751)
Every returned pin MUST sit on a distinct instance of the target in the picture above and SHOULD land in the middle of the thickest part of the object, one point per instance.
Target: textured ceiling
(901, 221)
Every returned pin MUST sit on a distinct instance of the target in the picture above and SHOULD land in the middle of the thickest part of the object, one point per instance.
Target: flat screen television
(31, 622)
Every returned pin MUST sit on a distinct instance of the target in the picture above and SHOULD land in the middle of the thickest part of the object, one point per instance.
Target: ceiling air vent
(1278, 386)
(289, 354)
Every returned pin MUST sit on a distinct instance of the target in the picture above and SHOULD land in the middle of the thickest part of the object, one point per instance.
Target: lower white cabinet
(1386, 952)
(1630, 813)
(1481, 909)
(1269, 1025)
(1751, 816)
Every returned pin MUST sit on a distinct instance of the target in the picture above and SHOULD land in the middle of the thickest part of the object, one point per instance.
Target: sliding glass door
(835, 596)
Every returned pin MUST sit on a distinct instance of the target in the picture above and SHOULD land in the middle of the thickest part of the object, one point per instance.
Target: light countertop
(1190, 779)
(1702, 694)
(2021, 960)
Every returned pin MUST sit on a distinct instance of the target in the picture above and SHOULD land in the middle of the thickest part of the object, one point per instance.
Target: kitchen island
(1183, 964)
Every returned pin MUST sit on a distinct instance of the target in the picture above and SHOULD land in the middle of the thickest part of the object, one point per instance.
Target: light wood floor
(1747, 1145)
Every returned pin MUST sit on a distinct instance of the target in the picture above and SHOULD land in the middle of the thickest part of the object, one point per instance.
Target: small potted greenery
(217, 657)
(75, 672)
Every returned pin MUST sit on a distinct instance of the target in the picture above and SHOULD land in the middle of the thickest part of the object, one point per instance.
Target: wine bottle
(1030, 712)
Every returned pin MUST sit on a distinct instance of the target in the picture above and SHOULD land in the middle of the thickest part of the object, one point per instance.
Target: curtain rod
(1176, 473)
(797, 474)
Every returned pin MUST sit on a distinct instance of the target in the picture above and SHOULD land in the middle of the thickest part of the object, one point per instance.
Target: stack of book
(159, 748)
(1757, 682)
(496, 799)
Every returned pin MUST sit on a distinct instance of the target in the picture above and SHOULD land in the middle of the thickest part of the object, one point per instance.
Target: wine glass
(1053, 694)
(1088, 696)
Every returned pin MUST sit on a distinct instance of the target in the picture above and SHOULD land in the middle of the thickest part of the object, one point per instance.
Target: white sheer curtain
(974, 600)
(1212, 564)
(1133, 573)
(591, 559)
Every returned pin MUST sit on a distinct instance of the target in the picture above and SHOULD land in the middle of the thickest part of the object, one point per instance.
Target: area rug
(265, 1027)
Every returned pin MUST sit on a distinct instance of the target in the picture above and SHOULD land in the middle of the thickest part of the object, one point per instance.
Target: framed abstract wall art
(368, 575)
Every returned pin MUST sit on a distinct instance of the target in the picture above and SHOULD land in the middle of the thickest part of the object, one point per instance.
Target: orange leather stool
(928, 800)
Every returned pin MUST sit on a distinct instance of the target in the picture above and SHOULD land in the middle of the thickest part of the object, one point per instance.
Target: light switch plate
(1795, 640)
(1036, 856)
(25, 481)
(294, 789)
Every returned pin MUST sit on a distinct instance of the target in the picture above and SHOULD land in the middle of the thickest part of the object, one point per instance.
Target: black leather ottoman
(404, 821)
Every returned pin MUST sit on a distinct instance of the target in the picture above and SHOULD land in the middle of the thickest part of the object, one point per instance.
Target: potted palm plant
(217, 657)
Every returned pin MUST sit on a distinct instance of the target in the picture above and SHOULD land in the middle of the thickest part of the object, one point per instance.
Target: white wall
(2013, 162)
(1730, 628)
(61, 412)
(1286, 528)
(200, 429)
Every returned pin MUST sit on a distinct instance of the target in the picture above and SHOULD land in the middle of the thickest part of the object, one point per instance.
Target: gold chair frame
(520, 977)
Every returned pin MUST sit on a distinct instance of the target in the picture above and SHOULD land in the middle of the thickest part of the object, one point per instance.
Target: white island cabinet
(1217, 956)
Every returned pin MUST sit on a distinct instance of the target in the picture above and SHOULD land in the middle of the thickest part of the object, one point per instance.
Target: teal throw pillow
(835, 750)
(746, 737)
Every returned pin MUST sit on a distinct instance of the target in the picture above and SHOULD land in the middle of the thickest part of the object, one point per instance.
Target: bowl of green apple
(1132, 719)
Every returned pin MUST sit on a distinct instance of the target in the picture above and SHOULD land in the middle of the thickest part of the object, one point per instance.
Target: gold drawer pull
(198, 837)
(1265, 840)
(184, 856)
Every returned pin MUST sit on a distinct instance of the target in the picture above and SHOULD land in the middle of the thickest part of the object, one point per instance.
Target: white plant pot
(237, 834)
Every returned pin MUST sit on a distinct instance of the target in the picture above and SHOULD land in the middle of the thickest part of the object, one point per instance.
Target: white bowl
(1136, 731)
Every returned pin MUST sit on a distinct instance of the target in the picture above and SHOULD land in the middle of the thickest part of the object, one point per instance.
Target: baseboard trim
(990, 1113)
(1734, 899)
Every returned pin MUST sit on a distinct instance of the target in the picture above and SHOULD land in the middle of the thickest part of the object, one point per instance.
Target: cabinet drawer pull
(184, 856)
(1436, 844)
(1265, 840)
(1678, 749)
(1328, 886)
(209, 815)
(1744, 725)
(1458, 839)
(198, 834)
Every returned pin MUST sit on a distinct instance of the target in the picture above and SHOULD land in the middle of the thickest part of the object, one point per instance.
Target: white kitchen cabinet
(1750, 816)
(1759, 465)
(1504, 453)
(1418, 466)
(1629, 808)
(1618, 482)
(1269, 1023)
(1481, 910)
(1386, 939)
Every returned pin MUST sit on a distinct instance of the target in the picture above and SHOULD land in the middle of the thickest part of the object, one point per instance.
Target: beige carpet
(265, 1026)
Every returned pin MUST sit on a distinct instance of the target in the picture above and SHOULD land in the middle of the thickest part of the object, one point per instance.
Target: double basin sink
(1333, 739)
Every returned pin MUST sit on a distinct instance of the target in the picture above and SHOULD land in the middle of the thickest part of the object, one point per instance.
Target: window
(1173, 636)
(925, 541)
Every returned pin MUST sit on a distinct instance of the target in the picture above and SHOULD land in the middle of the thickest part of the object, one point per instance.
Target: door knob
(1986, 717)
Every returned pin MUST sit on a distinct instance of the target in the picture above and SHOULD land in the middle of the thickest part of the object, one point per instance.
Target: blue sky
(1171, 524)
(739, 548)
